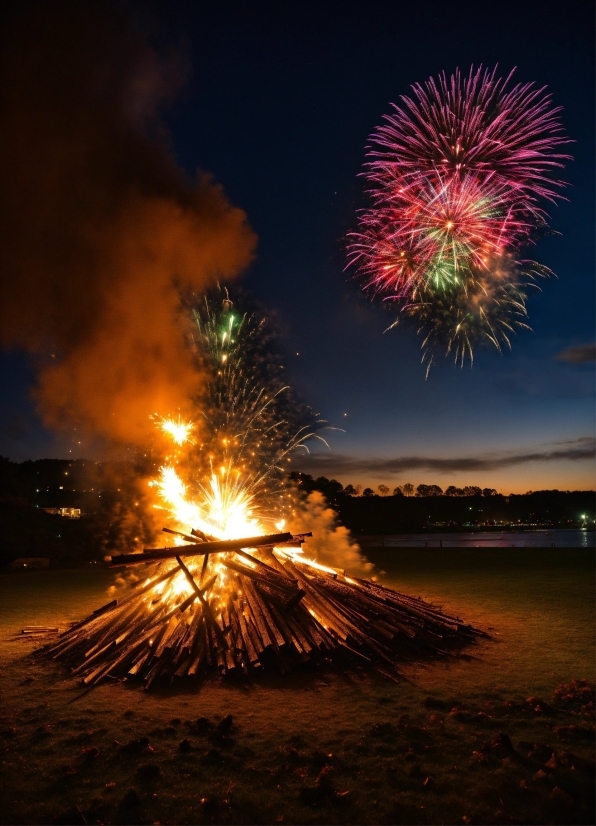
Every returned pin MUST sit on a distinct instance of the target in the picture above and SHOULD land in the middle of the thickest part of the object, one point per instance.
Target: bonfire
(236, 606)
(229, 597)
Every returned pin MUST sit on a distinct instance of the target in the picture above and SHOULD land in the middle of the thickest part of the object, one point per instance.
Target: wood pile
(274, 611)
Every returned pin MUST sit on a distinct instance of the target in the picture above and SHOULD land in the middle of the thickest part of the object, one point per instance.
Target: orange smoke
(100, 227)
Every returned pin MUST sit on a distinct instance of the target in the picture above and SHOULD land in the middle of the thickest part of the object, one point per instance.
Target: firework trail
(457, 174)
(248, 420)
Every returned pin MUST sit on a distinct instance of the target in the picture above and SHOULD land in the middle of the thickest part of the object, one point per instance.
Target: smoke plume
(331, 544)
(100, 227)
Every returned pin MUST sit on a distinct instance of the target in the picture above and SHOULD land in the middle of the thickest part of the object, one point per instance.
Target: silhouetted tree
(408, 489)
(304, 481)
(350, 490)
(383, 490)
(368, 492)
(398, 491)
(489, 492)
(453, 491)
(330, 488)
(429, 490)
(472, 490)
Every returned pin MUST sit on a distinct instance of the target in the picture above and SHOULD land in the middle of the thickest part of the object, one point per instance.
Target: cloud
(100, 226)
(579, 354)
(329, 464)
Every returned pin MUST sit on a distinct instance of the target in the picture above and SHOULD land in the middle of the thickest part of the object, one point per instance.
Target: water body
(542, 538)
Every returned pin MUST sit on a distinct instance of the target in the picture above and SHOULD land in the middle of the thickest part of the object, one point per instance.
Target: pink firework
(473, 125)
(457, 173)
(432, 231)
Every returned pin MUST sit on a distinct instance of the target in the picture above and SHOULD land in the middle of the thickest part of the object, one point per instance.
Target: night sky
(278, 105)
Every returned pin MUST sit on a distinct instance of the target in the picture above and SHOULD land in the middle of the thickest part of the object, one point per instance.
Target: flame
(296, 555)
(225, 510)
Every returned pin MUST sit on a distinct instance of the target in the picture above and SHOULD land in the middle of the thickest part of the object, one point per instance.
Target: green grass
(302, 741)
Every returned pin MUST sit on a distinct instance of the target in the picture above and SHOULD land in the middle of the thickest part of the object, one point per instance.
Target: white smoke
(330, 544)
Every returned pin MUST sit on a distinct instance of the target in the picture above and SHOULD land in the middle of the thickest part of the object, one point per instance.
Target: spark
(180, 431)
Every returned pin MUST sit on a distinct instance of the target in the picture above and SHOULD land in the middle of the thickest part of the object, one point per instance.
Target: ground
(504, 737)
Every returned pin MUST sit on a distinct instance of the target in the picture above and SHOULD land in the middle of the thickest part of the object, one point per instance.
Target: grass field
(483, 740)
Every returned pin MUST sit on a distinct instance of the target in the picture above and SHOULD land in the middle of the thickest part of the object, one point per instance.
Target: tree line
(332, 488)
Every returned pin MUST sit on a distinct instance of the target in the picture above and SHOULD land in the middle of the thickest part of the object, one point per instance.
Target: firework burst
(457, 173)
(236, 453)
(476, 125)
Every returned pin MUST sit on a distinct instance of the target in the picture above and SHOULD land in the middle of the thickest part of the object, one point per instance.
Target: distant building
(31, 562)
(71, 513)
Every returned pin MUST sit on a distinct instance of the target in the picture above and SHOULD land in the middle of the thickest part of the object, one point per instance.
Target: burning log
(218, 546)
(257, 609)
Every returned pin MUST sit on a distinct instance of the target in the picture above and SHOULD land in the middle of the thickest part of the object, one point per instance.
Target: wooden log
(187, 643)
(140, 658)
(218, 650)
(115, 627)
(257, 622)
(204, 568)
(209, 655)
(249, 628)
(317, 603)
(170, 629)
(175, 641)
(127, 652)
(283, 574)
(204, 537)
(182, 667)
(304, 623)
(197, 657)
(180, 607)
(291, 634)
(267, 616)
(257, 614)
(243, 641)
(254, 644)
(219, 546)
(206, 607)
(285, 586)
(136, 593)
(272, 560)
(230, 661)
(81, 636)
(183, 535)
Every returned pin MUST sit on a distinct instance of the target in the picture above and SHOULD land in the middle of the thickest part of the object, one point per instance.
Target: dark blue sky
(279, 103)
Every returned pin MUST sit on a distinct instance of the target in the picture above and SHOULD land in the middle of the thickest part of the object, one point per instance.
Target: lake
(546, 538)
